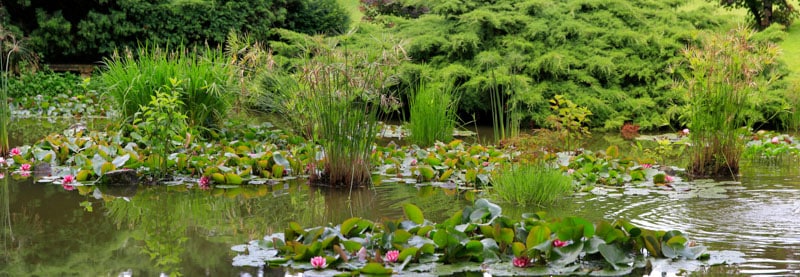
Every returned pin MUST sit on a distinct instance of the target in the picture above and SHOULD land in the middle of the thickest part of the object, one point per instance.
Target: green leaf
(614, 255)
(121, 160)
(401, 236)
(413, 213)
(440, 238)
(351, 246)
(506, 235)
(411, 251)
(474, 247)
(376, 268)
(537, 235)
(518, 248)
(348, 225)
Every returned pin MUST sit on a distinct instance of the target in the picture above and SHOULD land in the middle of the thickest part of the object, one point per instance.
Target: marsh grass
(340, 93)
(533, 183)
(723, 84)
(505, 115)
(432, 114)
(205, 79)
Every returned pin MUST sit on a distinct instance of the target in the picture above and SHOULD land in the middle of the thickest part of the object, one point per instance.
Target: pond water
(47, 231)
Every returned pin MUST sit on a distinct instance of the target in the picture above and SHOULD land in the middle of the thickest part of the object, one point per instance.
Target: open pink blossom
(69, 179)
(25, 167)
(15, 151)
(685, 132)
(646, 166)
(318, 262)
(560, 243)
(668, 178)
(413, 162)
(775, 140)
(392, 256)
(521, 261)
(204, 183)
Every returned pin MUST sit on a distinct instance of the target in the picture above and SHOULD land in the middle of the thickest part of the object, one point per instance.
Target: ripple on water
(760, 218)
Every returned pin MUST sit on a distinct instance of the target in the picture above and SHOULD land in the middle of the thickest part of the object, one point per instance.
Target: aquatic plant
(723, 81)
(342, 91)
(476, 238)
(159, 123)
(204, 79)
(569, 121)
(11, 49)
(529, 183)
(432, 114)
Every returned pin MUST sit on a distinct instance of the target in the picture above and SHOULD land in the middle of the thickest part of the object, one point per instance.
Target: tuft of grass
(433, 115)
(530, 183)
(205, 80)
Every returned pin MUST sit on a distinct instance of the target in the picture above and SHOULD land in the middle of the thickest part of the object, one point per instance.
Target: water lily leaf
(567, 254)
(406, 253)
(426, 172)
(401, 236)
(120, 160)
(413, 213)
(233, 179)
(537, 235)
(614, 255)
(474, 247)
(281, 160)
(376, 268)
(441, 238)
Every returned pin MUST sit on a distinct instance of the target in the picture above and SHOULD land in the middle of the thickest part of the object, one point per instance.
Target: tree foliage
(86, 31)
(765, 12)
(609, 56)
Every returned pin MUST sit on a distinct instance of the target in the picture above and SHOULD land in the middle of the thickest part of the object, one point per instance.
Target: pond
(47, 231)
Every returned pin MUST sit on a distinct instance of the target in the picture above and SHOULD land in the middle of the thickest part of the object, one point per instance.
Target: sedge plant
(204, 78)
(530, 183)
(723, 82)
(341, 95)
(11, 50)
(432, 114)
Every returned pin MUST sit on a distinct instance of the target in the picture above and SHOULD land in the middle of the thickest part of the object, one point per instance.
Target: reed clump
(724, 80)
(432, 114)
(530, 183)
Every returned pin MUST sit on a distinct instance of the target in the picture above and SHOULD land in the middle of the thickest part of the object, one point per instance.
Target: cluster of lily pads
(771, 146)
(248, 155)
(477, 238)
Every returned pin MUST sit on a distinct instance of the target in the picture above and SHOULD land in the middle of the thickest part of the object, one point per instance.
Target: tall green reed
(530, 183)
(505, 115)
(432, 114)
(11, 50)
(341, 93)
(723, 82)
(205, 78)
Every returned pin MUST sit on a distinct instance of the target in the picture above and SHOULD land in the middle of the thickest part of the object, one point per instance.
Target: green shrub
(433, 115)
(530, 183)
(46, 83)
(317, 16)
(204, 81)
(160, 122)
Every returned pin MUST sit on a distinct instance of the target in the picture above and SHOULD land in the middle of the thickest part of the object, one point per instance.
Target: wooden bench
(85, 70)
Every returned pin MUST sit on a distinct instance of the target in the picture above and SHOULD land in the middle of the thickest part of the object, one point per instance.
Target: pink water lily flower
(25, 167)
(668, 179)
(570, 171)
(775, 140)
(2, 161)
(646, 166)
(69, 179)
(318, 262)
(560, 243)
(14, 151)
(204, 183)
(685, 132)
(521, 261)
(414, 162)
(392, 256)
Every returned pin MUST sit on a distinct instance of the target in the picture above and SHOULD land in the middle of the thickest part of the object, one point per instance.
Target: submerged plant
(433, 115)
(723, 82)
(530, 183)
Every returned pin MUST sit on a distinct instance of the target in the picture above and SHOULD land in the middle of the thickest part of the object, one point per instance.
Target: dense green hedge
(86, 31)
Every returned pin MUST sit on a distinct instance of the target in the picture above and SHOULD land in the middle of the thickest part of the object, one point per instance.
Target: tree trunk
(766, 17)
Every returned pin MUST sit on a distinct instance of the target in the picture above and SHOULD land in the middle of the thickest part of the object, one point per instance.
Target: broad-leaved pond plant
(477, 238)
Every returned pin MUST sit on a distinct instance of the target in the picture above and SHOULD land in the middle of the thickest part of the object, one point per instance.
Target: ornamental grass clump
(530, 183)
(724, 84)
(432, 115)
(204, 78)
(341, 95)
